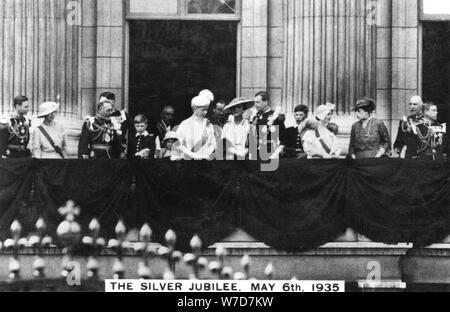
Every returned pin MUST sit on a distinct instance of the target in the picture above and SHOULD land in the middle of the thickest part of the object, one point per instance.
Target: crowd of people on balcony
(242, 129)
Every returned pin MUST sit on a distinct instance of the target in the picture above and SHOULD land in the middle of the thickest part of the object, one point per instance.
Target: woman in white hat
(49, 139)
(196, 134)
(207, 94)
(319, 142)
(235, 134)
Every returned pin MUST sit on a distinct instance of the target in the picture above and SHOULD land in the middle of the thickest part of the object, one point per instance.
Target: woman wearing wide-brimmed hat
(318, 141)
(49, 139)
(235, 133)
(369, 137)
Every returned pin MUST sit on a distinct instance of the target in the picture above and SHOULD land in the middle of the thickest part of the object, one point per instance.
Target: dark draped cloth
(298, 207)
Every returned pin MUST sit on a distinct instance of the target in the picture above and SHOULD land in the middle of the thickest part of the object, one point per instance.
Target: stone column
(405, 57)
(88, 57)
(110, 48)
(384, 61)
(254, 47)
(275, 53)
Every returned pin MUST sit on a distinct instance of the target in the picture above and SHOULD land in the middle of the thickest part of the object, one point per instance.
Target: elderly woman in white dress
(319, 142)
(49, 139)
(196, 134)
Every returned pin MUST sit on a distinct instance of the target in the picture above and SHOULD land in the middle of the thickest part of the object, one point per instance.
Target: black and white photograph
(228, 153)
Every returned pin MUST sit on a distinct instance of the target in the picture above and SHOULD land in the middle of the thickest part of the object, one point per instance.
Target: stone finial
(40, 242)
(14, 244)
(218, 267)
(69, 234)
(171, 238)
(144, 249)
(269, 271)
(94, 245)
(245, 265)
(169, 253)
(194, 260)
(119, 245)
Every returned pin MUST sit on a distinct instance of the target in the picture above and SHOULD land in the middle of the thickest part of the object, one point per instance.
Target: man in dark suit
(164, 125)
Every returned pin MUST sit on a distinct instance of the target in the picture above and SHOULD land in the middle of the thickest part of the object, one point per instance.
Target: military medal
(107, 138)
(264, 130)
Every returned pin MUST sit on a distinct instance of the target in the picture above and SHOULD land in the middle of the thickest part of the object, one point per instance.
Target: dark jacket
(266, 141)
(14, 139)
(431, 138)
(138, 143)
(99, 140)
(406, 137)
(366, 143)
(294, 146)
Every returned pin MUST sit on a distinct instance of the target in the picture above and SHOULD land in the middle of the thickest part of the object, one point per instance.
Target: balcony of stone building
(73, 129)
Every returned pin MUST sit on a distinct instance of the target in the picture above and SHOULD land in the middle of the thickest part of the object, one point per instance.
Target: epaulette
(116, 125)
(90, 120)
(5, 122)
(27, 120)
(123, 115)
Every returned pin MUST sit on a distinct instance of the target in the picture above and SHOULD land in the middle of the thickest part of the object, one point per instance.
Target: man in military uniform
(268, 129)
(431, 135)
(294, 148)
(407, 131)
(15, 132)
(121, 119)
(99, 139)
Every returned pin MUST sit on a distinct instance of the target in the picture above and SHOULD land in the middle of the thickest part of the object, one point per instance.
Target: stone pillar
(110, 48)
(254, 47)
(384, 61)
(88, 57)
(275, 44)
(405, 57)
(102, 52)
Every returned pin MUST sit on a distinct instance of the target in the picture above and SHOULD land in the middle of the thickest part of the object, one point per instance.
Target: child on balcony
(142, 145)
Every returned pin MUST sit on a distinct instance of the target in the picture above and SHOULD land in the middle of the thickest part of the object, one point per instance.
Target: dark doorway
(172, 61)
(436, 66)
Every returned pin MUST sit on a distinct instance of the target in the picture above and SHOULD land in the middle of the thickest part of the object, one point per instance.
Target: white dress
(41, 147)
(197, 138)
(314, 149)
(236, 136)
